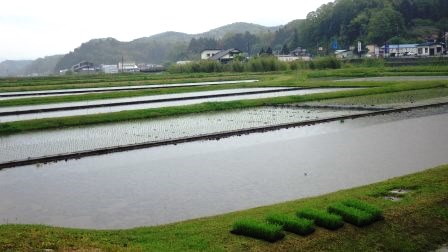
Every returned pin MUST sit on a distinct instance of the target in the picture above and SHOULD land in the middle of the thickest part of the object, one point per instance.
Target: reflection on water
(173, 183)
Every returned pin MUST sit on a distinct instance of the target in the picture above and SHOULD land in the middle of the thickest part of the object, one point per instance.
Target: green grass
(352, 215)
(292, 224)
(417, 223)
(259, 230)
(61, 122)
(321, 218)
(364, 206)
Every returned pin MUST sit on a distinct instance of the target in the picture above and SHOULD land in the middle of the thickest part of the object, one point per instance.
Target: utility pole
(398, 46)
(122, 64)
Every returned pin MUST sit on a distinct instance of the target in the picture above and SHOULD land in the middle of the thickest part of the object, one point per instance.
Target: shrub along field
(419, 222)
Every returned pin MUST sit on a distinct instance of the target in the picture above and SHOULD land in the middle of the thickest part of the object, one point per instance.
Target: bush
(322, 218)
(352, 215)
(325, 63)
(291, 224)
(259, 230)
(372, 62)
(361, 205)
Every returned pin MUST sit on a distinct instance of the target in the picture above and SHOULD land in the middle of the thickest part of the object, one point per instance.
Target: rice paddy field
(360, 184)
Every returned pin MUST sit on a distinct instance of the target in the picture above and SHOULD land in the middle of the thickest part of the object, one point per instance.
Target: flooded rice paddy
(398, 78)
(51, 142)
(138, 99)
(150, 104)
(27, 94)
(173, 183)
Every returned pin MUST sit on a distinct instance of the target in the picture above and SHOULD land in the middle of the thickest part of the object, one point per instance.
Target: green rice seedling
(292, 224)
(352, 215)
(322, 218)
(373, 210)
(259, 230)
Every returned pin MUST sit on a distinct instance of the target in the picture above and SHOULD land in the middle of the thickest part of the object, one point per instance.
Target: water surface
(172, 183)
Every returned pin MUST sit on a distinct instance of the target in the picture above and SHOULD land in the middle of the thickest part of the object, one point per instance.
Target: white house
(109, 69)
(399, 50)
(287, 58)
(430, 49)
(183, 62)
(208, 53)
(225, 56)
(128, 67)
(343, 54)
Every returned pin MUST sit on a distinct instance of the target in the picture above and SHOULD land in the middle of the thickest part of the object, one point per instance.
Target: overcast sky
(36, 28)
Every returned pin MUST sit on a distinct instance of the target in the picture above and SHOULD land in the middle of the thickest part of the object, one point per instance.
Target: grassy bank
(52, 123)
(419, 222)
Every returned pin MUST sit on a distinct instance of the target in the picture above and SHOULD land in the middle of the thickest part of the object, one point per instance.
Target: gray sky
(31, 29)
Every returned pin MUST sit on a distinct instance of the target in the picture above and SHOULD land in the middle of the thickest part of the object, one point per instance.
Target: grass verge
(259, 230)
(295, 225)
(417, 223)
(322, 218)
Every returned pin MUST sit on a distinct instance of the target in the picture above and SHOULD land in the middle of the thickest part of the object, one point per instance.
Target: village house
(128, 67)
(343, 54)
(83, 67)
(297, 54)
(223, 56)
(208, 53)
(109, 69)
(430, 49)
(399, 50)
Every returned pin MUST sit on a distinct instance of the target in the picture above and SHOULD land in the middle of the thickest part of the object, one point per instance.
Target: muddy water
(173, 183)
(99, 110)
(27, 94)
(37, 144)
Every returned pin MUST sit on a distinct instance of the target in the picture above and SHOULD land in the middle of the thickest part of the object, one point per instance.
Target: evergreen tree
(285, 50)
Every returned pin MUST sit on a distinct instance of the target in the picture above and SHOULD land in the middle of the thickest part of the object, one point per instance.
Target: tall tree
(385, 24)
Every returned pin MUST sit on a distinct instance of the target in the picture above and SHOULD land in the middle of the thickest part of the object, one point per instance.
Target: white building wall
(207, 54)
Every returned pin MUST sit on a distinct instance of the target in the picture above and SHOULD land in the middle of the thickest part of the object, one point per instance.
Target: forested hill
(159, 48)
(374, 21)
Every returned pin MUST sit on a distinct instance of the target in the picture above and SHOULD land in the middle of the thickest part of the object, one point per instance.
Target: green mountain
(235, 28)
(159, 48)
